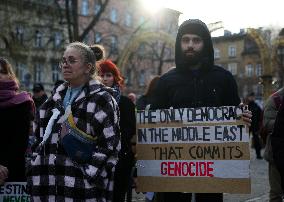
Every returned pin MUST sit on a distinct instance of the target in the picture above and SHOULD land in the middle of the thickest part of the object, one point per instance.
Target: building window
(55, 72)
(142, 78)
(249, 70)
(258, 70)
(86, 39)
(141, 20)
(245, 90)
(232, 51)
(57, 39)
(113, 15)
(128, 77)
(38, 39)
(169, 27)
(216, 53)
(98, 7)
(84, 8)
(259, 90)
(233, 68)
(98, 37)
(2, 44)
(113, 44)
(37, 72)
(142, 49)
(128, 20)
(20, 34)
(21, 70)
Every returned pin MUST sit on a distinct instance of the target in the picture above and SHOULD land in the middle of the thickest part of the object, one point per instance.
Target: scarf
(9, 95)
(116, 93)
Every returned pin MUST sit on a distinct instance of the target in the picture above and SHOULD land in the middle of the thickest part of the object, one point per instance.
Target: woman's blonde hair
(87, 55)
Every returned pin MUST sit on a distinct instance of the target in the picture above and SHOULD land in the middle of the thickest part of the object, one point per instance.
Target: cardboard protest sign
(201, 150)
(14, 191)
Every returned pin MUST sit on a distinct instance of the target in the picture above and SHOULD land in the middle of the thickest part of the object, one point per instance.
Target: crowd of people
(83, 146)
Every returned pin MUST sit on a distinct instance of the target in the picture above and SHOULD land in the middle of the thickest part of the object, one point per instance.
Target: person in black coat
(16, 114)
(39, 95)
(277, 142)
(147, 98)
(111, 77)
(255, 124)
(195, 82)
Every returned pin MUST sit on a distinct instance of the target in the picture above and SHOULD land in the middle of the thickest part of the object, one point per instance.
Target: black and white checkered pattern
(52, 175)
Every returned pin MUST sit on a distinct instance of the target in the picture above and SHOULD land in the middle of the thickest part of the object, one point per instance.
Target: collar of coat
(90, 88)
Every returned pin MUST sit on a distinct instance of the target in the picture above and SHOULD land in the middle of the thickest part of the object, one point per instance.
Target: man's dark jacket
(181, 87)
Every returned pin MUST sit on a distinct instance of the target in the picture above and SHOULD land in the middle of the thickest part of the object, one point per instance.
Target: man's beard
(193, 59)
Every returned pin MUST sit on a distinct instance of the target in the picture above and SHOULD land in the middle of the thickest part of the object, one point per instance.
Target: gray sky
(235, 14)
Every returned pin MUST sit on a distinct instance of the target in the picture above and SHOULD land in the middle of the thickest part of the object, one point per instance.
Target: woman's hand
(64, 130)
(246, 116)
(3, 174)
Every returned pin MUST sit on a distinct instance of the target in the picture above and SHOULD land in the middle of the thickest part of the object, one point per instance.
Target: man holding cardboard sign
(195, 82)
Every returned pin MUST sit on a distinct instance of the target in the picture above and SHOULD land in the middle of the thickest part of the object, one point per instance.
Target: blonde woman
(78, 135)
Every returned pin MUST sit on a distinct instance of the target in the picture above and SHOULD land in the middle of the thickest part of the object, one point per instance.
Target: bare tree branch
(94, 21)
(69, 24)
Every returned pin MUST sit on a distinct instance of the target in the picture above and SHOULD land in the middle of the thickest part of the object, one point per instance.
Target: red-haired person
(112, 78)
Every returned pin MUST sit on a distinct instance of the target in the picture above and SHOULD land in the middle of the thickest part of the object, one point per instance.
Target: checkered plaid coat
(51, 174)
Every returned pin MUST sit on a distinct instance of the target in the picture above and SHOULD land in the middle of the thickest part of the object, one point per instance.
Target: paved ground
(259, 183)
(259, 188)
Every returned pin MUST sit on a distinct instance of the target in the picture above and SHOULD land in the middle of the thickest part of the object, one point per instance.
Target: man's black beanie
(194, 26)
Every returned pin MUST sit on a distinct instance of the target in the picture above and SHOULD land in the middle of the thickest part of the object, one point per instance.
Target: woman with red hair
(111, 77)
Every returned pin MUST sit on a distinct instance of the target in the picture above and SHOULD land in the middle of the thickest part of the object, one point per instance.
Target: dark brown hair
(99, 51)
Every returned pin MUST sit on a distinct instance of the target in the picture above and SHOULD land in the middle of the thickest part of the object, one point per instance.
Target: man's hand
(246, 116)
(3, 174)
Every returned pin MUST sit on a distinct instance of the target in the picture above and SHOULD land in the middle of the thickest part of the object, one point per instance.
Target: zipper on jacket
(195, 92)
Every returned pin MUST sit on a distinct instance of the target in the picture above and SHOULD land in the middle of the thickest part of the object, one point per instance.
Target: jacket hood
(195, 26)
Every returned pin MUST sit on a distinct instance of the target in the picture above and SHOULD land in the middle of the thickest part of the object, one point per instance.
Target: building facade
(31, 38)
(126, 28)
(239, 54)
(121, 29)
(34, 33)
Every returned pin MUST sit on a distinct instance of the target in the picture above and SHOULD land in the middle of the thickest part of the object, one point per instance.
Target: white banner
(193, 134)
(14, 191)
(193, 168)
(190, 115)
